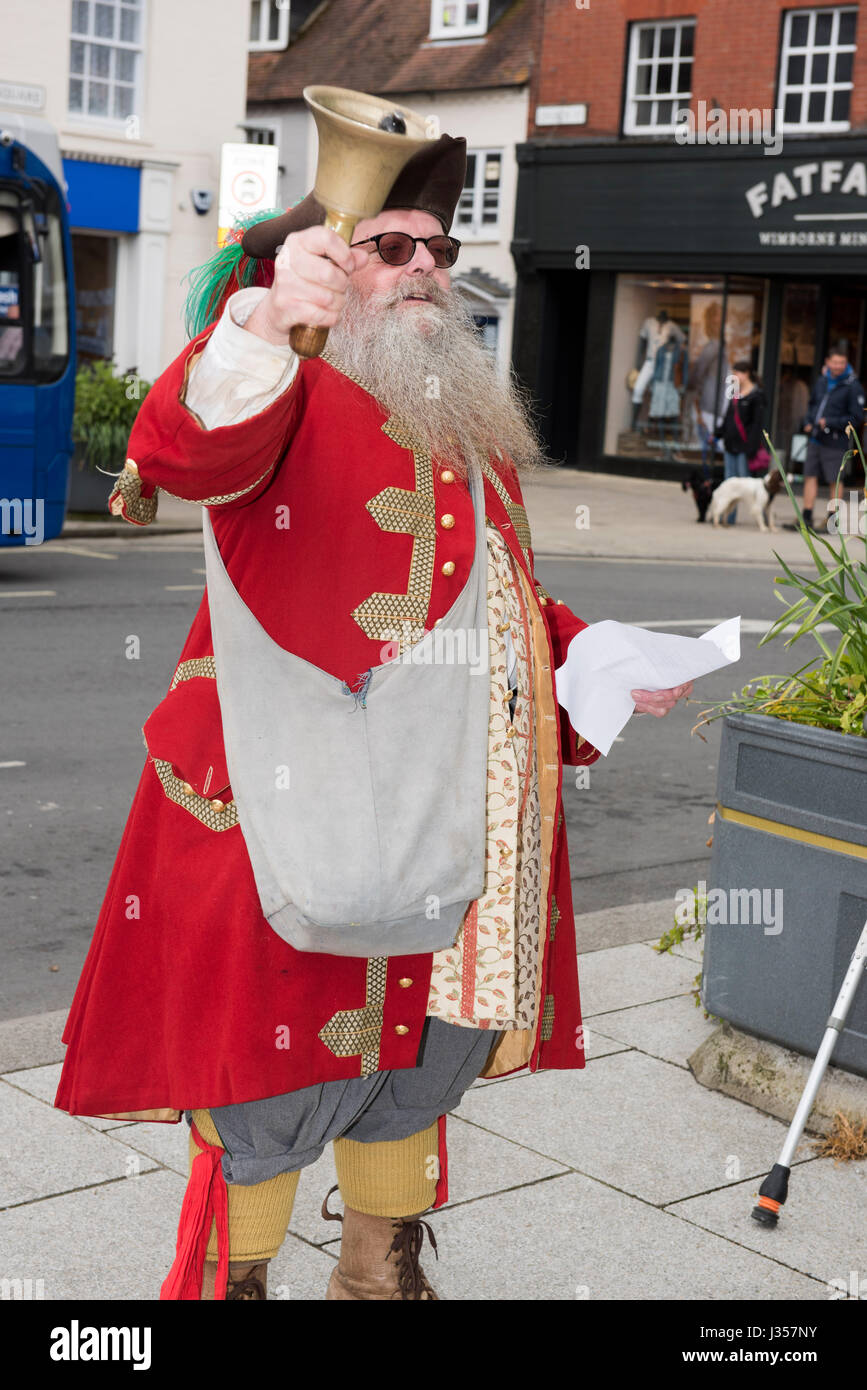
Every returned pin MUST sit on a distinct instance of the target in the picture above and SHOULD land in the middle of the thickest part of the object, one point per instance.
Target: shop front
(646, 272)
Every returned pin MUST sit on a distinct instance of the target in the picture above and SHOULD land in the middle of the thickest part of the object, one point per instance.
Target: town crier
(346, 851)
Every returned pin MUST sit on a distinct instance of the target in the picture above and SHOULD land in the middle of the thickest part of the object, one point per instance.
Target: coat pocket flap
(186, 730)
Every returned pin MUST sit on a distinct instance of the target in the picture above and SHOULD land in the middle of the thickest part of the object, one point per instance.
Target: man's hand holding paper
(613, 670)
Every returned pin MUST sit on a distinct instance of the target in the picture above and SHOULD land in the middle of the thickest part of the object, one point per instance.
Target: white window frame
(273, 127)
(477, 230)
(808, 51)
(461, 28)
(635, 99)
(94, 41)
(264, 44)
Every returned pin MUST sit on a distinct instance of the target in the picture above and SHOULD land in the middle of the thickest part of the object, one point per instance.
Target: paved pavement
(626, 1180)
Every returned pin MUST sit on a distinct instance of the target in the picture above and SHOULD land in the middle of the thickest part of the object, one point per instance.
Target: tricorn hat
(431, 180)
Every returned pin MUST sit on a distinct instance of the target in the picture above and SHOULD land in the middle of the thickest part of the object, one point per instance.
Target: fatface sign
(694, 206)
(820, 186)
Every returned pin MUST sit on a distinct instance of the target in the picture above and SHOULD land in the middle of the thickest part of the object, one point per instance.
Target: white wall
(192, 100)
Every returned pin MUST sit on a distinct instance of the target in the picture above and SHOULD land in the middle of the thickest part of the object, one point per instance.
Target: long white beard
(427, 365)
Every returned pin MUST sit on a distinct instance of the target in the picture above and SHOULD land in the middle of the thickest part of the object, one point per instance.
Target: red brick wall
(582, 57)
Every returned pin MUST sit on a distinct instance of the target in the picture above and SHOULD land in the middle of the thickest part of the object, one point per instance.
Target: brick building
(705, 162)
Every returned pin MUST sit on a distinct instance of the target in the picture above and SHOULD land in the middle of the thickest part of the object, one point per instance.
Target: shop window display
(673, 343)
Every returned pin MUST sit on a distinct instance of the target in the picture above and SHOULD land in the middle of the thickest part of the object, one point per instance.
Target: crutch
(775, 1188)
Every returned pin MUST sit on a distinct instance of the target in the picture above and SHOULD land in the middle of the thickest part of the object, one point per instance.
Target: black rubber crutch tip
(764, 1216)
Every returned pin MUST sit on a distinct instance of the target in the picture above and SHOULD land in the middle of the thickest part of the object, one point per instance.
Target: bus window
(50, 326)
(12, 354)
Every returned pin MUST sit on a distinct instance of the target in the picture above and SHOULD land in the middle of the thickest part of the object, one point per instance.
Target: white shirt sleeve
(239, 374)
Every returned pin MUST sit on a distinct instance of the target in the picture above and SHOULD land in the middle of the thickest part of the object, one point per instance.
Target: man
(836, 401)
(345, 496)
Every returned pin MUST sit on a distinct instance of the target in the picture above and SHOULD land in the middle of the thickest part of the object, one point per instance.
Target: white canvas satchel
(363, 813)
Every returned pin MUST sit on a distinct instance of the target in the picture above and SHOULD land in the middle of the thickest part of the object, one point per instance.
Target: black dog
(702, 489)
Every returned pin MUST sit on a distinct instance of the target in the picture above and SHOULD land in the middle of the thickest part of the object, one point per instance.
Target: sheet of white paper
(607, 660)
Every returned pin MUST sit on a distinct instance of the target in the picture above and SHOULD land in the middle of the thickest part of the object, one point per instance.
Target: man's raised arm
(215, 425)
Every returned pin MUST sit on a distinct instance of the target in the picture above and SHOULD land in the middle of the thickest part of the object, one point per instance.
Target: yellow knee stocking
(392, 1177)
(258, 1215)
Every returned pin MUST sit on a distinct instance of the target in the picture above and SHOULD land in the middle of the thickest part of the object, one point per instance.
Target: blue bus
(37, 333)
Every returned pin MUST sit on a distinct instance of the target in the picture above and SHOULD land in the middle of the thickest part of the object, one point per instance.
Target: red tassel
(442, 1191)
(205, 1199)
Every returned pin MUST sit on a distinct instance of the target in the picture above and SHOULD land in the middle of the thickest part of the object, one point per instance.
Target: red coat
(318, 503)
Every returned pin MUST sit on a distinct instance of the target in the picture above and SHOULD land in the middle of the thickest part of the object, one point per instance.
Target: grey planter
(780, 934)
(88, 490)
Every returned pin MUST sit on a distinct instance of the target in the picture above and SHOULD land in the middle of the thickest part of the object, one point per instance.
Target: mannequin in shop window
(654, 332)
(669, 383)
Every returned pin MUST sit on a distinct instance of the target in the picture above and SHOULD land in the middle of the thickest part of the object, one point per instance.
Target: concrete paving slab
(42, 1082)
(33, 1041)
(166, 1143)
(300, 1272)
(572, 1238)
(822, 1230)
(47, 1152)
(627, 975)
(669, 1028)
(118, 1242)
(638, 1123)
(620, 926)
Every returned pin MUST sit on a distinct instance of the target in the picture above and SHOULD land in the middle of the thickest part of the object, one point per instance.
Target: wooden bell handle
(307, 341)
(304, 339)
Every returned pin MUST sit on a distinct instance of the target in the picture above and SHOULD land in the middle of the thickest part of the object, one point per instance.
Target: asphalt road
(73, 702)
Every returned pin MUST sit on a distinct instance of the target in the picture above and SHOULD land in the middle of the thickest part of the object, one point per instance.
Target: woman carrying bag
(741, 428)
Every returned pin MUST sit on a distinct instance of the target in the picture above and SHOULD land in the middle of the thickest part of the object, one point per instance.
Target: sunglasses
(398, 248)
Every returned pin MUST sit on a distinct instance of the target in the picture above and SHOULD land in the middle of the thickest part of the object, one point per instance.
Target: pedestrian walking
(741, 427)
(836, 401)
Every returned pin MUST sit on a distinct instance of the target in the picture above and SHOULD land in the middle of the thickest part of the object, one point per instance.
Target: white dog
(757, 494)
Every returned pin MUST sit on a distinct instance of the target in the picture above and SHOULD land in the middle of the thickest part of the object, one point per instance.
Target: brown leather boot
(379, 1257)
(245, 1281)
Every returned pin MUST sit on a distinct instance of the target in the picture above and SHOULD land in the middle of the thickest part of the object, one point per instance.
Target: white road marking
(14, 762)
(175, 588)
(730, 564)
(28, 593)
(80, 550)
(748, 625)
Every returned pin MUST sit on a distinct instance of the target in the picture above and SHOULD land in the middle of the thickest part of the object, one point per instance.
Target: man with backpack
(836, 401)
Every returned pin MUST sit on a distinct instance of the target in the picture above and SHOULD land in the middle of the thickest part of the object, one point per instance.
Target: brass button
(543, 600)
(559, 600)
(449, 567)
(401, 1028)
(447, 521)
(405, 982)
(511, 731)
(131, 466)
(503, 627)
(447, 476)
(217, 805)
(188, 789)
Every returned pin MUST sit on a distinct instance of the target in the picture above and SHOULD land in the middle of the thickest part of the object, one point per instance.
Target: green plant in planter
(830, 691)
(105, 409)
